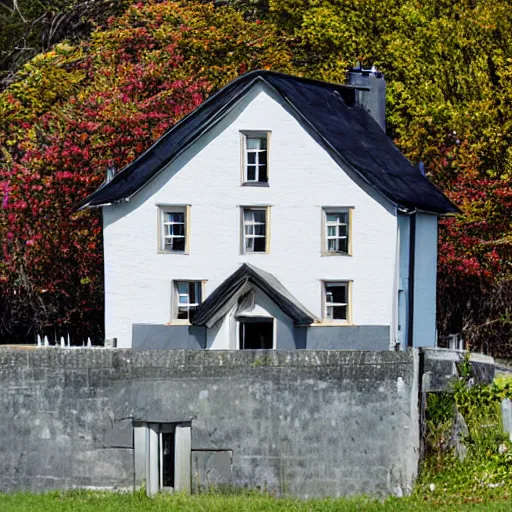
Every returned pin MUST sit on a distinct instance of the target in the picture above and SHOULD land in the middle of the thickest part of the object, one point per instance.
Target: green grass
(83, 501)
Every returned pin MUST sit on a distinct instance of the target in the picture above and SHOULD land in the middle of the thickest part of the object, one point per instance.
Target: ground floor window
(336, 303)
(187, 297)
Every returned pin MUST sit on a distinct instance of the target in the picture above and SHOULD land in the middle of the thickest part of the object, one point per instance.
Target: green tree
(448, 70)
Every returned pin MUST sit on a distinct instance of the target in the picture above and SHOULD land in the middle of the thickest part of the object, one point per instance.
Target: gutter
(412, 262)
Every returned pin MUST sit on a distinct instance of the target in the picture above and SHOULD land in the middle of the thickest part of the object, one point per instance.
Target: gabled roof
(330, 115)
(223, 297)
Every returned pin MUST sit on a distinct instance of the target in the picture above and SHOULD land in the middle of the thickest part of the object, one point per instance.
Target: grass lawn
(82, 501)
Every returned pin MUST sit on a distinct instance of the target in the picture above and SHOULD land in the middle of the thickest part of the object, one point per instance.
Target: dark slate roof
(266, 282)
(327, 111)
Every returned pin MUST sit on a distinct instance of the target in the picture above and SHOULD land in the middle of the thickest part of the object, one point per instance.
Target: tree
(29, 27)
(447, 66)
(77, 110)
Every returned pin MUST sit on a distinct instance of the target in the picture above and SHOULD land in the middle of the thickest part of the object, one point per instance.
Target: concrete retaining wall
(441, 367)
(305, 423)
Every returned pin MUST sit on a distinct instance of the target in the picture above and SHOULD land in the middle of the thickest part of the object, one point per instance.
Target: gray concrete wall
(440, 367)
(305, 423)
(285, 336)
(149, 336)
(363, 337)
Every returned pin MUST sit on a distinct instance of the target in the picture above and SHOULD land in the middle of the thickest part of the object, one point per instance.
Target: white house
(276, 215)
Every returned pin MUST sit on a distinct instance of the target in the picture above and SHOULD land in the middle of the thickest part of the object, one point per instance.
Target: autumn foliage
(78, 109)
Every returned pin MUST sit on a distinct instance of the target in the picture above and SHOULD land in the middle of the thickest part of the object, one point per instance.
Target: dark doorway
(167, 462)
(256, 333)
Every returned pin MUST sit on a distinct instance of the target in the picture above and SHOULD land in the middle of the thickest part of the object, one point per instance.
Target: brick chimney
(370, 91)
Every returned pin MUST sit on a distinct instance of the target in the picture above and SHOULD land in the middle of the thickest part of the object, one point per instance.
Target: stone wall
(305, 423)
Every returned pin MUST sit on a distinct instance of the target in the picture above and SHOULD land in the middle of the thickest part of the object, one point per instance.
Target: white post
(506, 412)
(152, 465)
(182, 459)
(140, 436)
(38, 340)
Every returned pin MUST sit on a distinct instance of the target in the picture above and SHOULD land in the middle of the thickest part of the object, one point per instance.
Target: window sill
(177, 253)
(255, 184)
(345, 254)
(177, 321)
(339, 323)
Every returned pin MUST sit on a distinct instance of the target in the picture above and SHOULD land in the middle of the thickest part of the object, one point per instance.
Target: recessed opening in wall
(163, 456)
(256, 333)
(167, 457)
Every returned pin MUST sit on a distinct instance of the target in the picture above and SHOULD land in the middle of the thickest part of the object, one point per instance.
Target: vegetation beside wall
(467, 456)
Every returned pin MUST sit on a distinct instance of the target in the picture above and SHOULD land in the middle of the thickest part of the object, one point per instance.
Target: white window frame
(326, 304)
(176, 305)
(245, 135)
(163, 211)
(325, 230)
(244, 224)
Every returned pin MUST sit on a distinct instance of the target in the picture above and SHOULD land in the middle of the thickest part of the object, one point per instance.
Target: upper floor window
(174, 227)
(337, 231)
(336, 303)
(255, 158)
(188, 296)
(255, 229)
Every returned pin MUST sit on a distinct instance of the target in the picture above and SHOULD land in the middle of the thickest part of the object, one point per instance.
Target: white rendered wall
(302, 177)
(425, 272)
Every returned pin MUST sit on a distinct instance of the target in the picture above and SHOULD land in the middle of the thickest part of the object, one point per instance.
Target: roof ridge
(350, 135)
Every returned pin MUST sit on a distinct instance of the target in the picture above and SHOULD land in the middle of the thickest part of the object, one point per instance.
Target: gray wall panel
(148, 336)
(363, 337)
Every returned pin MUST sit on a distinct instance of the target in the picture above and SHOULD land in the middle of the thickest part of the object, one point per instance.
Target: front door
(256, 333)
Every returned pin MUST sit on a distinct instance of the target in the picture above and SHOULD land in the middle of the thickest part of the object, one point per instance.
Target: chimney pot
(111, 172)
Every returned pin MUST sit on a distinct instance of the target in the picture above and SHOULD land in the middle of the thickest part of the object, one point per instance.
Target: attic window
(255, 158)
